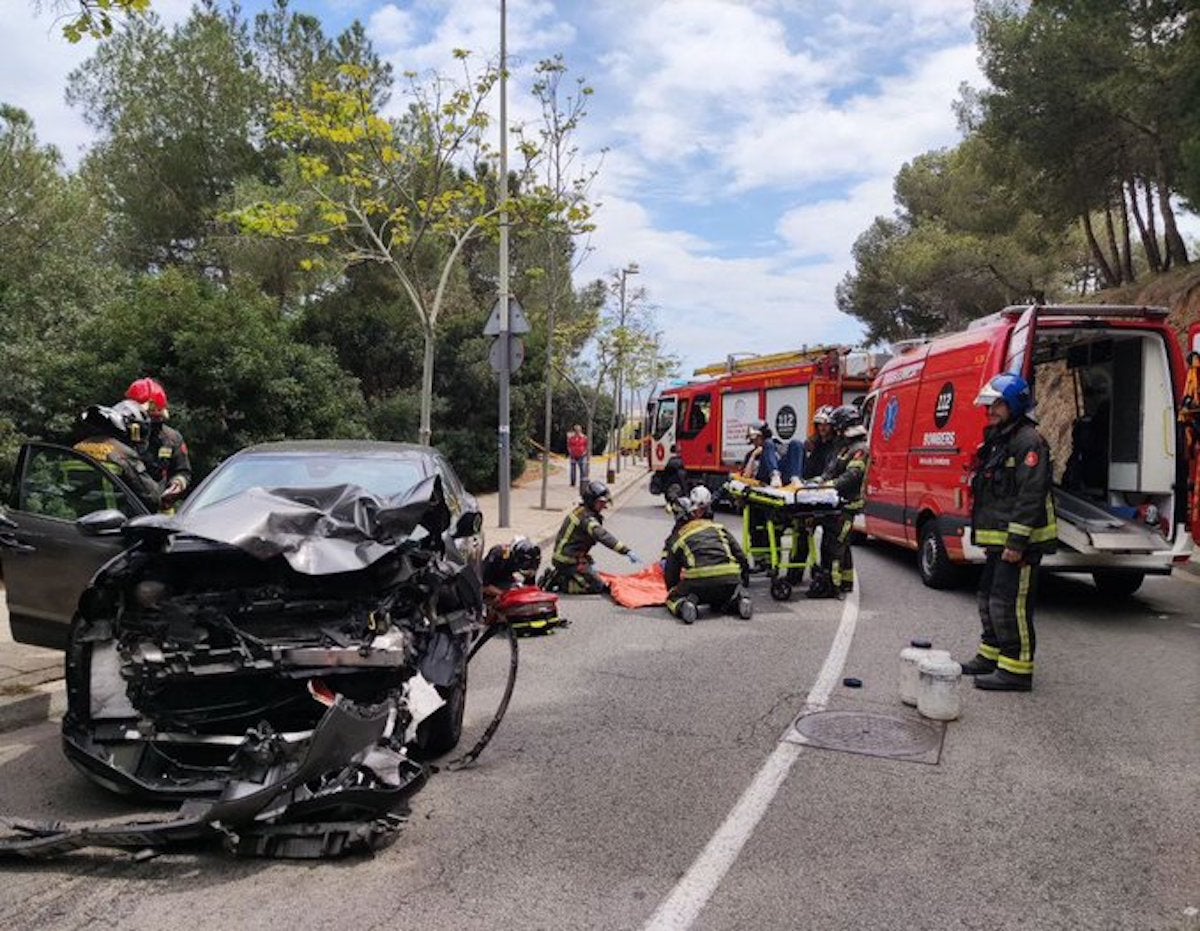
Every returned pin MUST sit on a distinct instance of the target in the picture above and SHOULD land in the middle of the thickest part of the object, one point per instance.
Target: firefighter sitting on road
(1012, 518)
(508, 565)
(573, 570)
(165, 452)
(845, 473)
(113, 437)
(704, 565)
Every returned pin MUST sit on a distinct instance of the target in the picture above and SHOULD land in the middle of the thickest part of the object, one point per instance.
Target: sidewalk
(31, 686)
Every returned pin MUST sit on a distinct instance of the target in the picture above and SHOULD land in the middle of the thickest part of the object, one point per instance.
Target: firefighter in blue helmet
(1012, 518)
(572, 570)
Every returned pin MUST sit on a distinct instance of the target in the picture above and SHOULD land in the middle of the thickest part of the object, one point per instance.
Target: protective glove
(174, 490)
(634, 558)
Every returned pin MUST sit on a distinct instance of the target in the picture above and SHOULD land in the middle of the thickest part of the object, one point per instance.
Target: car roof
(379, 448)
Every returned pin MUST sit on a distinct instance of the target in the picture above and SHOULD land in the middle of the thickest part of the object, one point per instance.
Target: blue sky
(747, 142)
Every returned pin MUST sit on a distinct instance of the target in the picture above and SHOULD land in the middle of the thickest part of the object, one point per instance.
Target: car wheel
(440, 732)
(937, 571)
(1118, 584)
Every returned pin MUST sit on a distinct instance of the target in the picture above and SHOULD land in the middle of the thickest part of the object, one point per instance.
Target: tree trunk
(1126, 239)
(1106, 272)
(427, 386)
(551, 310)
(1110, 231)
(1145, 231)
(1176, 249)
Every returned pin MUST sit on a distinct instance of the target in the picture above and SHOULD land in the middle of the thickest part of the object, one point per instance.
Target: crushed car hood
(319, 531)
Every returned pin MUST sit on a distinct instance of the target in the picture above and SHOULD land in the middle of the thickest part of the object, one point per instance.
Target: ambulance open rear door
(1191, 399)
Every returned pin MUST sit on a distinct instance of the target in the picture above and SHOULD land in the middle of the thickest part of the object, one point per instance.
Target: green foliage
(234, 370)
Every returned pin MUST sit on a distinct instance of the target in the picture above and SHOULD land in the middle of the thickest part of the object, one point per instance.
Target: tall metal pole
(505, 439)
(620, 374)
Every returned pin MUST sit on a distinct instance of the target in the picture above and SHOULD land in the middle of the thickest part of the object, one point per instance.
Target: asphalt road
(632, 738)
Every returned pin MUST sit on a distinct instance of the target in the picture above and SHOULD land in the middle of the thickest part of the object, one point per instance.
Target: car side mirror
(469, 524)
(101, 523)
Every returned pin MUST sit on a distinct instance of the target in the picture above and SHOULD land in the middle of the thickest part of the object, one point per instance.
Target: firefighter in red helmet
(166, 452)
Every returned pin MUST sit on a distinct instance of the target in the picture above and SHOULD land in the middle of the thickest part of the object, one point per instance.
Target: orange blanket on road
(640, 590)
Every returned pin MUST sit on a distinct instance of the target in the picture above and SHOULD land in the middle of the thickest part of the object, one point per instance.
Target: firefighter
(165, 453)
(705, 566)
(846, 474)
(508, 565)
(573, 570)
(821, 447)
(114, 436)
(675, 483)
(1012, 518)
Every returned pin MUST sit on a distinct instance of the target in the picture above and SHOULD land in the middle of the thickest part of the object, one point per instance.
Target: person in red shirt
(579, 449)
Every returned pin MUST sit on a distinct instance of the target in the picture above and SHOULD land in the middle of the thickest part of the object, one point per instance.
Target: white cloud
(827, 228)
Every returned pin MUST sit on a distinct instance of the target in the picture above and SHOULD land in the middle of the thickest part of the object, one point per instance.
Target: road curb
(42, 703)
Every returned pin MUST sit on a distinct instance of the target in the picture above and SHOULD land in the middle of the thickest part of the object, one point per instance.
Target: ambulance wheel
(937, 571)
(1118, 584)
(781, 589)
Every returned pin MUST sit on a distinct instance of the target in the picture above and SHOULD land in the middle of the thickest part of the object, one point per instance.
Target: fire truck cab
(707, 420)
(1108, 384)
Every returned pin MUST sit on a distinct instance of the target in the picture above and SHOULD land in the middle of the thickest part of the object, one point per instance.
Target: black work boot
(821, 587)
(688, 611)
(1004, 681)
(978, 666)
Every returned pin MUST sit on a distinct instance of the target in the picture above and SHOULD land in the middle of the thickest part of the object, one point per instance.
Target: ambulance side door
(1019, 357)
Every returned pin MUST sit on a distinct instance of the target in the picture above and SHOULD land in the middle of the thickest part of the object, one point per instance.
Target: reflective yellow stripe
(988, 652)
(1016, 666)
(1020, 529)
(711, 572)
(1026, 655)
(564, 537)
(991, 537)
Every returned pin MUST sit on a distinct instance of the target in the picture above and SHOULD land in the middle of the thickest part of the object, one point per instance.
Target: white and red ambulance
(1122, 475)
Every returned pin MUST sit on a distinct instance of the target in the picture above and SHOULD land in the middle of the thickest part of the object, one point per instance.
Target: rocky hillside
(1178, 290)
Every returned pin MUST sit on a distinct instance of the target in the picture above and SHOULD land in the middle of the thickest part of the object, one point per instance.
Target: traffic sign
(516, 354)
(518, 323)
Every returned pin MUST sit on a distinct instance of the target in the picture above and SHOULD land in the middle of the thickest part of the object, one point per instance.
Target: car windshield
(384, 477)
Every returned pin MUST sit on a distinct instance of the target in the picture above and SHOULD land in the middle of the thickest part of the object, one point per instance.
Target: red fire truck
(707, 420)
(1114, 378)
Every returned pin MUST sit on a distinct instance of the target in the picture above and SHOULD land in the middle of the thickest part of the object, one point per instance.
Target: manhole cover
(872, 734)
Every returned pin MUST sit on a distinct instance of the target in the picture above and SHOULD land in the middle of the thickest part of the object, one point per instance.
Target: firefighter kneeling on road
(508, 565)
(846, 473)
(1012, 518)
(573, 570)
(704, 565)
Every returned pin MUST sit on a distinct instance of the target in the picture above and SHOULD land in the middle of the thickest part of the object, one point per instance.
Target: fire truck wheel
(937, 571)
(1118, 584)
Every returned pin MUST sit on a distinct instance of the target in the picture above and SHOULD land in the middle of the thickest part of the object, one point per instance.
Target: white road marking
(681, 908)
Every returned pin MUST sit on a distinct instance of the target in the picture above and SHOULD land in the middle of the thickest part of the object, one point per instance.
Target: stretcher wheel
(781, 589)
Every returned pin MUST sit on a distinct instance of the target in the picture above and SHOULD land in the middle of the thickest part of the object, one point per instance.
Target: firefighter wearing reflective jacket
(573, 570)
(1012, 518)
(703, 565)
(113, 437)
(846, 473)
(165, 453)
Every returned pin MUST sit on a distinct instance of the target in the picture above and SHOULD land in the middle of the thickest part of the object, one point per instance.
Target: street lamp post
(630, 269)
(504, 444)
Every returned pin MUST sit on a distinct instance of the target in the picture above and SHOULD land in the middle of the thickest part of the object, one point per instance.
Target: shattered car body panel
(198, 656)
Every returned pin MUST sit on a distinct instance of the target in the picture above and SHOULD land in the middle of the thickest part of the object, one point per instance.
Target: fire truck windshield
(665, 417)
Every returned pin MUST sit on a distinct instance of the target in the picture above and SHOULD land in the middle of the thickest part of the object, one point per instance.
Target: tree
(407, 194)
(52, 277)
(96, 18)
(563, 184)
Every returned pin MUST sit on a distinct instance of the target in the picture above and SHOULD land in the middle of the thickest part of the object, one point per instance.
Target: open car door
(47, 559)
(1019, 359)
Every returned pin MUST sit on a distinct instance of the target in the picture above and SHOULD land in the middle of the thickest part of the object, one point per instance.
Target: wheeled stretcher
(786, 513)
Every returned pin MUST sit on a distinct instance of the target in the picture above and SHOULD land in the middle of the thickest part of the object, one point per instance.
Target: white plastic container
(910, 656)
(937, 687)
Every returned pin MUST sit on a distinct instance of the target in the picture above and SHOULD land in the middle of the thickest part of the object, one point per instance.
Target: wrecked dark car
(301, 587)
